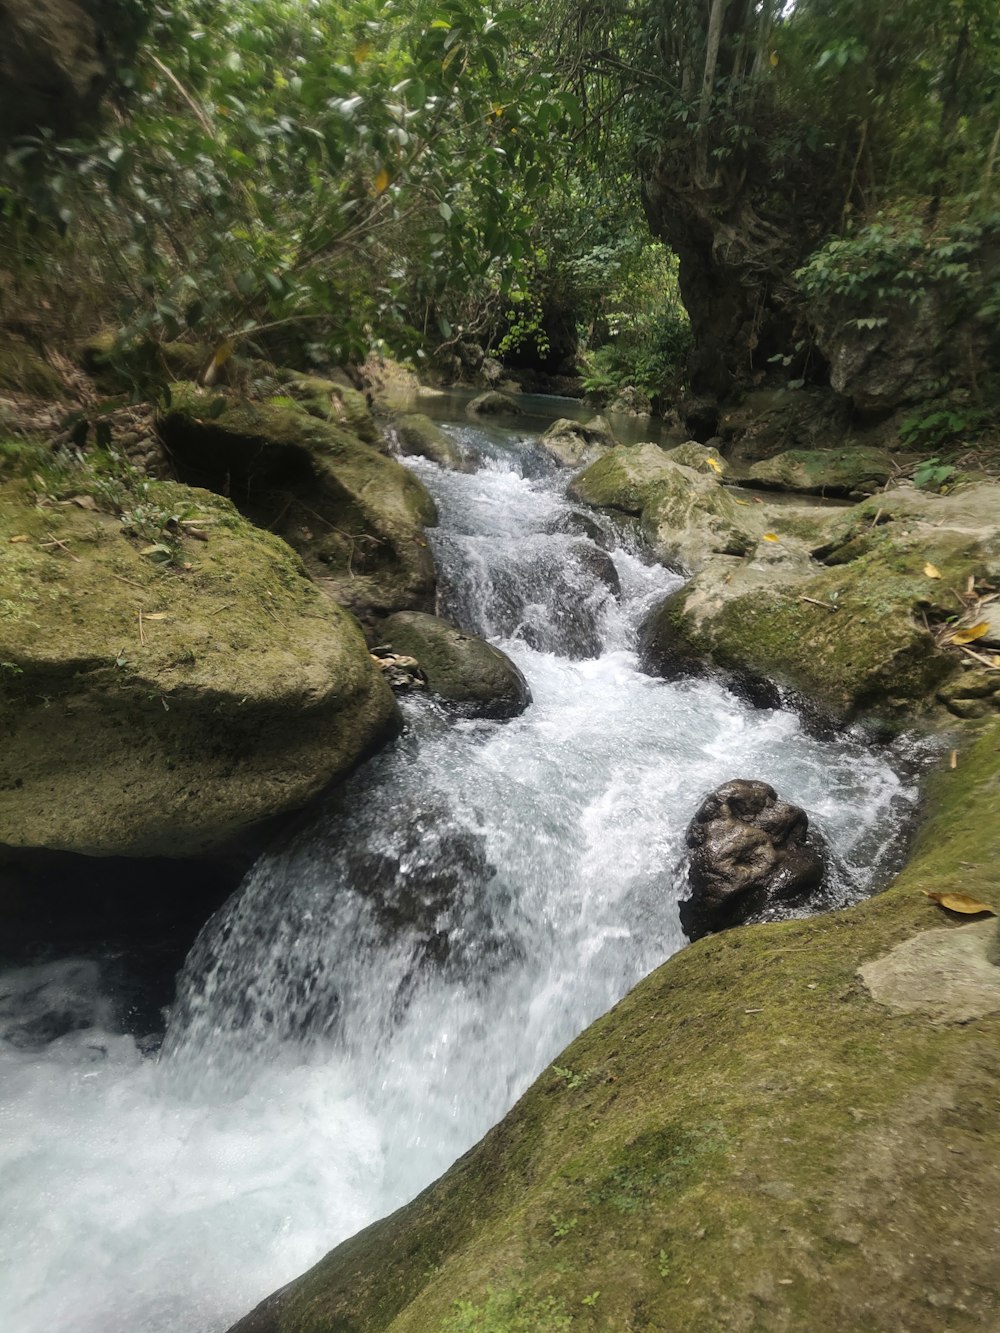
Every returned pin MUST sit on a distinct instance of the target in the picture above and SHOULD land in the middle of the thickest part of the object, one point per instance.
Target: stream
(393, 974)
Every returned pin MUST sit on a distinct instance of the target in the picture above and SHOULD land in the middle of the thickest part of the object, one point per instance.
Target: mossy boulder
(494, 403)
(749, 1140)
(355, 516)
(415, 433)
(624, 478)
(701, 457)
(849, 620)
(575, 443)
(163, 709)
(334, 400)
(464, 670)
(824, 471)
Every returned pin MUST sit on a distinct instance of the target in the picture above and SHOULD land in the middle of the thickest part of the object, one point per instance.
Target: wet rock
(598, 564)
(402, 674)
(748, 849)
(459, 667)
(579, 524)
(494, 403)
(416, 433)
(575, 443)
(355, 516)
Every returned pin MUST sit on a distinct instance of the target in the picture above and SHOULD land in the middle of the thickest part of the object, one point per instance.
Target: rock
(459, 667)
(578, 524)
(630, 402)
(623, 478)
(748, 849)
(989, 614)
(841, 615)
(824, 471)
(415, 433)
(750, 1067)
(597, 562)
(402, 674)
(57, 59)
(574, 443)
(331, 400)
(241, 694)
(491, 371)
(701, 457)
(494, 403)
(24, 371)
(972, 694)
(946, 974)
(355, 516)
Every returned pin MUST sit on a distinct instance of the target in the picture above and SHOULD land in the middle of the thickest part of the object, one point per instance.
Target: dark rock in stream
(748, 849)
(466, 671)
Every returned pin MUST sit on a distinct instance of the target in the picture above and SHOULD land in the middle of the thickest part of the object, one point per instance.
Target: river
(394, 973)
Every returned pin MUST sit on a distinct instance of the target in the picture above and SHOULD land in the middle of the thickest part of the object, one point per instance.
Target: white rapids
(392, 977)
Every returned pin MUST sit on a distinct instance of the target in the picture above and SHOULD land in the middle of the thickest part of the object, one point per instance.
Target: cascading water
(388, 981)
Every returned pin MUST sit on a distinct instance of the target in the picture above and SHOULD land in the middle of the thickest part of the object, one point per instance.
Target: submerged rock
(416, 433)
(165, 709)
(748, 849)
(355, 517)
(459, 667)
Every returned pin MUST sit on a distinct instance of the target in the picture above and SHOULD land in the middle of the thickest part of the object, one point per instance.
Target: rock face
(416, 433)
(748, 849)
(148, 709)
(752, 1088)
(459, 667)
(575, 443)
(57, 59)
(355, 516)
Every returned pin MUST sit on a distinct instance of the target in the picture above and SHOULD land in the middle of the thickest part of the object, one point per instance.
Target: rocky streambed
(397, 970)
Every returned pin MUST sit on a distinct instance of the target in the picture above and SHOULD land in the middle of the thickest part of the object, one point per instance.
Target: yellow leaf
(771, 537)
(21, 537)
(714, 464)
(361, 52)
(971, 634)
(960, 902)
(744, 502)
(223, 352)
(155, 615)
(382, 181)
(774, 59)
(932, 571)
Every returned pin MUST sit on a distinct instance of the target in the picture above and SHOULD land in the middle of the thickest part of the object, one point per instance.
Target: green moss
(625, 478)
(825, 471)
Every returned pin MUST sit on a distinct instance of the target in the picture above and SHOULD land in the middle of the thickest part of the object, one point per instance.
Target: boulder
(623, 478)
(464, 670)
(494, 403)
(575, 443)
(334, 401)
(838, 605)
(747, 850)
(355, 516)
(701, 457)
(416, 433)
(824, 471)
(161, 698)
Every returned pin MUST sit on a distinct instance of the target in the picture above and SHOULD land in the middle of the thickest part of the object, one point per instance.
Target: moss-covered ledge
(747, 1141)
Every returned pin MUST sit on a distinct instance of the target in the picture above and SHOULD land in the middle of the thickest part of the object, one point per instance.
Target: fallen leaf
(953, 759)
(714, 464)
(743, 502)
(932, 571)
(960, 902)
(771, 537)
(83, 501)
(155, 615)
(382, 181)
(156, 549)
(971, 634)
(21, 537)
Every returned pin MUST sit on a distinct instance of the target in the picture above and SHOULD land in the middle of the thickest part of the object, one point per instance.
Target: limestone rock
(493, 403)
(459, 667)
(624, 478)
(241, 694)
(748, 849)
(355, 516)
(575, 443)
(824, 471)
(416, 433)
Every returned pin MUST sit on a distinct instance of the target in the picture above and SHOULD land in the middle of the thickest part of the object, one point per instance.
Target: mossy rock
(23, 370)
(416, 434)
(332, 400)
(749, 1140)
(494, 403)
(824, 471)
(461, 668)
(241, 694)
(701, 457)
(851, 626)
(355, 516)
(576, 443)
(624, 478)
